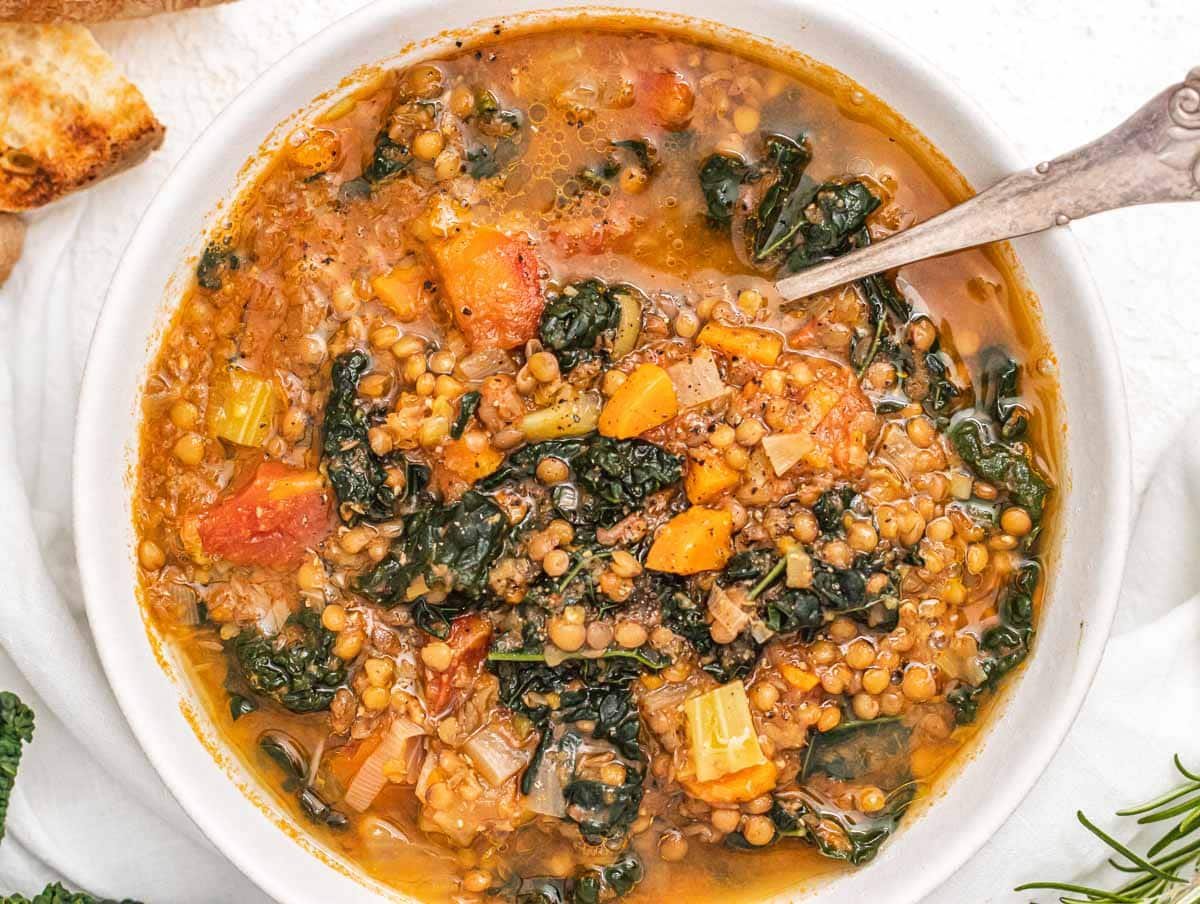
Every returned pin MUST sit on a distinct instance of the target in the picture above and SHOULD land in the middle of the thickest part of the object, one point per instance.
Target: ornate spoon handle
(1153, 156)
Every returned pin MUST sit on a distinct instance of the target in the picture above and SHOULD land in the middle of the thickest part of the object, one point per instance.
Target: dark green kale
(217, 257)
(831, 223)
(831, 506)
(389, 159)
(721, 180)
(287, 753)
(467, 406)
(643, 150)
(240, 705)
(884, 304)
(576, 319)
(875, 752)
(296, 668)
(357, 474)
(612, 477)
(1001, 465)
(16, 728)
(596, 692)
(781, 213)
(592, 885)
(452, 547)
(1005, 644)
(999, 394)
(483, 161)
(57, 894)
(502, 127)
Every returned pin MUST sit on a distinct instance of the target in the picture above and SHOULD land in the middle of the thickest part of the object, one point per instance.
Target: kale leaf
(467, 406)
(875, 752)
(451, 546)
(1000, 464)
(503, 127)
(388, 159)
(576, 319)
(56, 893)
(591, 885)
(1006, 643)
(217, 256)
(831, 223)
(296, 667)
(358, 475)
(830, 507)
(1000, 392)
(16, 728)
(615, 475)
(721, 179)
(781, 213)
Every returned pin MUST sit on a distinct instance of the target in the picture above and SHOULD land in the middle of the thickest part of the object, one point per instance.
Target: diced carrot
(669, 98)
(737, 787)
(753, 344)
(470, 636)
(700, 539)
(271, 520)
(645, 400)
(708, 478)
(456, 457)
(403, 290)
(490, 283)
(799, 678)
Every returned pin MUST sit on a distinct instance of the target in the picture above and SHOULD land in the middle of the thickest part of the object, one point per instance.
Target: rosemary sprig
(1157, 874)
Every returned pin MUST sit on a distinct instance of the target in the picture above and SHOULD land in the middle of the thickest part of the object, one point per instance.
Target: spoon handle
(1153, 156)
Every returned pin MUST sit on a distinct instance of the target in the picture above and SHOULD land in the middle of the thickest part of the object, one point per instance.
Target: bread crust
(12, 239)
(70, 117)
(91, 10)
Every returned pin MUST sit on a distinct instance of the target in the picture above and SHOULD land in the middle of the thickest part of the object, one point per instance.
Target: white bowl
(226, 801)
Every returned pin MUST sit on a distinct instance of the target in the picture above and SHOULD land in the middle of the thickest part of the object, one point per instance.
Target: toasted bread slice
(91, 10)
(67, 116)
(12, 238)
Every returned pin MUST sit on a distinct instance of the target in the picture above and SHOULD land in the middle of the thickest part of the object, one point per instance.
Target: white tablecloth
(89, 810)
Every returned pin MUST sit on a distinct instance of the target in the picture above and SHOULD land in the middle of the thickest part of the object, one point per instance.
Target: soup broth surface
(526, 543)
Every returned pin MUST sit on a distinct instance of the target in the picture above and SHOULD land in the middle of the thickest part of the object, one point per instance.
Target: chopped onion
(424, 775)
(271, 622)
(495, 755)
(697, 379)
(666, 697)
(485, 363)
(785, 449)
(799, 568)
(546, 795)
(370, 778)
(725, 611)
(760, 631)
(184, 604)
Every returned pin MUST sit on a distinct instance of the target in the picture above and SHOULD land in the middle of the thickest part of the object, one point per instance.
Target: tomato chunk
(491, 287)
(669, 98)
(470, 636)
(281, 512)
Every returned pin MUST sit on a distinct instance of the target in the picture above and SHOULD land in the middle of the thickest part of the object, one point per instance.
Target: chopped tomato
(669, 98)
(469, 638)
(271, 520)
(490, 283)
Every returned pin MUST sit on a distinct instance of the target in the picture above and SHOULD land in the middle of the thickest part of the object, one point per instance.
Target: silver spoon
(1153, 156)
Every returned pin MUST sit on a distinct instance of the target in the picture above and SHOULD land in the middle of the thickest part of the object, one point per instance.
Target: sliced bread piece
(12, 238)
(91, 10)
(67, 115)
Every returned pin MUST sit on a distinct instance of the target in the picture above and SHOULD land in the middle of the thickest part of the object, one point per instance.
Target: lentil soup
(522, 539)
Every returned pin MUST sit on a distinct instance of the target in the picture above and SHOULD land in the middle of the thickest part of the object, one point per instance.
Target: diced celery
(721, 732)
(242, 408)
(563, 419)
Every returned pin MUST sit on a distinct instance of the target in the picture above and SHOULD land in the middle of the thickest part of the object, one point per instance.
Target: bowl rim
(93, 423)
